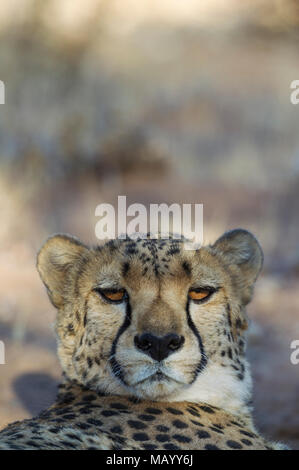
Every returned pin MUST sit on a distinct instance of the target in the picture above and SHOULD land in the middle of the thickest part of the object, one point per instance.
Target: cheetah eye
(200, 294)
(112, 295)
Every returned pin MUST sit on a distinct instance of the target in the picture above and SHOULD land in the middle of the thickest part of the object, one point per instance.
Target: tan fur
(96, 339)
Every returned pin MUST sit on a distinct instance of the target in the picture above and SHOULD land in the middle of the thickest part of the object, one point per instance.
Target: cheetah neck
(219, 387)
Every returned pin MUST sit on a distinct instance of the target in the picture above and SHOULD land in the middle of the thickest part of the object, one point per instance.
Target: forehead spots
(153, 255)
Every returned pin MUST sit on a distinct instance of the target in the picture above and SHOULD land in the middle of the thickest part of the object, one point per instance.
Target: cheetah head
(147, 318)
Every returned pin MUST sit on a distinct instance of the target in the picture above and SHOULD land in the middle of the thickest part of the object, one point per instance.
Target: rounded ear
(55, 258)
(241, 252)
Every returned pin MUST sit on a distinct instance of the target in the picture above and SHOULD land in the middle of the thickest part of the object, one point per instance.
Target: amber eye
(112, 295)
(199, 294)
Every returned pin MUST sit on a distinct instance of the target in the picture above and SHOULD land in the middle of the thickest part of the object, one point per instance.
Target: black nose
(159, 347)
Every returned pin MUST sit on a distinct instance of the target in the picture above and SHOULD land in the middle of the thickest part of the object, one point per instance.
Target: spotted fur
(117, 396)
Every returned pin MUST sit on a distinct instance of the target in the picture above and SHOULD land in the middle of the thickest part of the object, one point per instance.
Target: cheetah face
(147, 318)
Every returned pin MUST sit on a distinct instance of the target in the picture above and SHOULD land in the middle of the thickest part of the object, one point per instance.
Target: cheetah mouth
(158, 377)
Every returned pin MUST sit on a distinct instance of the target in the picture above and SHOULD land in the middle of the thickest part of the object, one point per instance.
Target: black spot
(207, 409)
(136, 424)
(131, 251)
(32, 444)
(83, 426)
(211, 447)
(109, 413)
(187, 268)
(97, 361)
(118, 406)
(55, 430)
(95, 422)
(66, 399)
(89, 362)
(60, 412)
(163, 437)
(193, 412)
(73, 436)
(246, 442)
(125, 268)
(68, 444)
(89, 397)
(180, 438)
(140, 436)
(219, 426)
(70, 416)
(216, 430)
(246, 433)
(229, 352)
(174, 411)
(172, 251)
(153, 411)
(234, 423)
(147, 417)
(197, 423)
(149, 446)
(179, 424)
(134, 400)
(234, 445)
(202, 434)
(171, 447)
(161, 428)
(116, 430)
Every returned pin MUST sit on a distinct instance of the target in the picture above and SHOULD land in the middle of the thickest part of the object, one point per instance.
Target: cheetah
(151, 339)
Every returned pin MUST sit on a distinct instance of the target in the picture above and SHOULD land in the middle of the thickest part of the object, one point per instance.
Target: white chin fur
(218, 387)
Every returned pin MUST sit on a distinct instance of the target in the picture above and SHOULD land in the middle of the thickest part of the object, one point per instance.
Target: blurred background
(173, 101)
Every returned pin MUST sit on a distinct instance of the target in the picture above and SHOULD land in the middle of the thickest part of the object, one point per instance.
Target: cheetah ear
(243, 255)
(55, 259)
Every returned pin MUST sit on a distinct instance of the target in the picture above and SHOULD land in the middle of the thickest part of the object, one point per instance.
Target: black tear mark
(85, 314)
(203, 361)
(115, 366)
